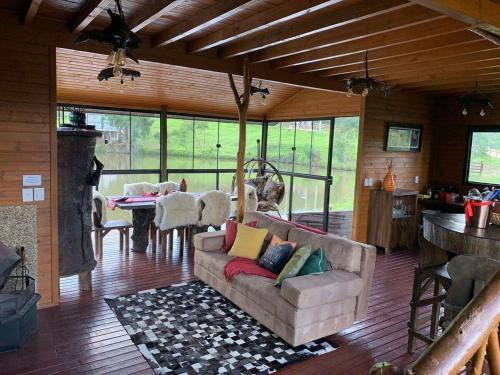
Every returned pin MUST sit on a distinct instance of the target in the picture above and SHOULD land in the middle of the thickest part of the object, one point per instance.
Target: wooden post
(242, 102)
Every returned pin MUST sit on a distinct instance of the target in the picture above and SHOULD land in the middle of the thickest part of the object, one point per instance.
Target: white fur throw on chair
(214, 208)
(102, 199)
(251, 200)
(139, 188)
(168, 186)
(177, 209)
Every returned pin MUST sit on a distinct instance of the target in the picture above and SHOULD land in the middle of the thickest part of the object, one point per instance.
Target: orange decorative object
(389, 184)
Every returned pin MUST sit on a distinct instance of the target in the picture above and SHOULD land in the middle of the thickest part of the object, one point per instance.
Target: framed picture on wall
(403, 137)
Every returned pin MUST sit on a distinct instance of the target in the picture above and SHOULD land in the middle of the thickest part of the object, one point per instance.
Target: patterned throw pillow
(296, 262)
(272, 190)
(231, 230)
(315, 264)
(248, 242)
(275, 257)
(258, 183)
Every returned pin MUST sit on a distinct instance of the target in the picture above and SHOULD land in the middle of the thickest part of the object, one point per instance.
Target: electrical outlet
(417, 179)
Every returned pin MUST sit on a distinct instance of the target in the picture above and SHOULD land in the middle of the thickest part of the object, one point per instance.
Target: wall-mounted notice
(32, 180)
(28, 195)
(39, 194)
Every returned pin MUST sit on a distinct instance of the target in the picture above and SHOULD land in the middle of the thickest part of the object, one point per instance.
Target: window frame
(470, 133)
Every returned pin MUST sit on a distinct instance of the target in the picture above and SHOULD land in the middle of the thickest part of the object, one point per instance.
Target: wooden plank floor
(82, 335)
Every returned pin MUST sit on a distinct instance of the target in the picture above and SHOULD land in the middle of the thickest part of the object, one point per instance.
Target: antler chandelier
(475, 99)
(122, 39)
(365, 84)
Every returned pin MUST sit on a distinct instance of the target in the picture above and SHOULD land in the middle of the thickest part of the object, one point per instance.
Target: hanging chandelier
(119, 35)
(475, 99)
(365, 84)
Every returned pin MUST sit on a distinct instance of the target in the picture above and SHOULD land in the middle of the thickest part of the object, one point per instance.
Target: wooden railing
(471, 335)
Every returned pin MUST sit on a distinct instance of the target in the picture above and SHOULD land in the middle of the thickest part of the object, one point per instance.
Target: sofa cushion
(292, 268)
(275, 257)
(231, 231)
(303, 237)
(315, 264)
(312, 290)
(248, 242)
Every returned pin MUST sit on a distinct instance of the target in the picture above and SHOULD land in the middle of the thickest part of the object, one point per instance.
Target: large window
(317, 157)
(483, 164)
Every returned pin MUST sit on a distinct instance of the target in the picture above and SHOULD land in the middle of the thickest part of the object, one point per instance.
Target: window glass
(228, 139)
(180, 142)
(344, 157)
(320, 138)
(303, 138)
(145, 141)
(205, 143)
(196, 182)
(287, 142)
(113, 148)
(484, 162)
(273, 143)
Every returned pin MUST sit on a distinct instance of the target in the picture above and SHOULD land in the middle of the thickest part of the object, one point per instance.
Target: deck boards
(82, 335)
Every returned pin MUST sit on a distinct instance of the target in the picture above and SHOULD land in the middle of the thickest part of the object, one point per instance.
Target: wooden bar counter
(449, 232)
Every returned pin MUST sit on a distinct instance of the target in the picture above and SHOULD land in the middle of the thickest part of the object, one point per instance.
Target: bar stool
(432, 270)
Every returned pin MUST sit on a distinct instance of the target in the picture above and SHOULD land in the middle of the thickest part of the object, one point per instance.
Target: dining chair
(175, 211)
(102, 226)
(213, 208)
(165, 187)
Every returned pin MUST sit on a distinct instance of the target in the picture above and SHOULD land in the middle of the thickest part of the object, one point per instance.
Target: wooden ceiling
(181, 89)
(421, 45)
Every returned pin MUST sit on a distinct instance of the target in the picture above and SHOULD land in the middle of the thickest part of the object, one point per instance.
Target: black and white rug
(192, 329)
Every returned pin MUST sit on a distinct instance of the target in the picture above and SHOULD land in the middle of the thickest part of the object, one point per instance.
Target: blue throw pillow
(275, 257)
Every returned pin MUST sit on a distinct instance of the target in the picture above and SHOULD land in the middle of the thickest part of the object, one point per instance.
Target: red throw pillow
(231, 230)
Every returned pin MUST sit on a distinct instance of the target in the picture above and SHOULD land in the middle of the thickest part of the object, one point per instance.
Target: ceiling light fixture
(475, 99)
(122, 39)
(365, 84)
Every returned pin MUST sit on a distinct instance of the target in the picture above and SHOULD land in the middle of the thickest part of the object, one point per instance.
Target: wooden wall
(315, 104)
(450, 132)
(376, 112)
(28, 145)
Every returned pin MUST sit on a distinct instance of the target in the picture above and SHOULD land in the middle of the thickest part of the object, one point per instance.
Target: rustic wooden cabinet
(392, 219)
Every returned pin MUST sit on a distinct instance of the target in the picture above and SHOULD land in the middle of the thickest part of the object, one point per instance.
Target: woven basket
(495, 214)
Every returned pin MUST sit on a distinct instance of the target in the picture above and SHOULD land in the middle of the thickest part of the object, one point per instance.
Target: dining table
(143, 213)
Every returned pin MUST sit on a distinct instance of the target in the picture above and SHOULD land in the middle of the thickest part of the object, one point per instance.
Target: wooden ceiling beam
(351, 12)
(152, 12)
(221, 10)
(285, 12)
(388, 20)
(484, 14)
(425, 79)
(87, 13)
(468, 86)
(457, 80)
(453, 39)
(460, 91)
(412, 59)
(432, 28)
(438, 70)
(31, 11)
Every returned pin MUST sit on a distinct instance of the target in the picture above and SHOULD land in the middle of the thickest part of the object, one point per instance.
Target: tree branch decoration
(242, 101)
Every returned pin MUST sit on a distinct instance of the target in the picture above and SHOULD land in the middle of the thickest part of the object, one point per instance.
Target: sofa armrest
(368, 256)
(209, 241)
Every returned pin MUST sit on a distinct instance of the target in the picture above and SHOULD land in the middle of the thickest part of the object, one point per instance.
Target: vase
(389, 184)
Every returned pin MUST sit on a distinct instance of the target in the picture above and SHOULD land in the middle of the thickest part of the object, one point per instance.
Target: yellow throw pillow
(248, 242)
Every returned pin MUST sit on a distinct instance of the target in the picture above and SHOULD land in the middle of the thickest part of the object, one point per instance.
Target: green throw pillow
(315, 264)
(293, 266)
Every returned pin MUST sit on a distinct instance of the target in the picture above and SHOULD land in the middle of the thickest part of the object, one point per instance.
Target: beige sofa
(305, 308)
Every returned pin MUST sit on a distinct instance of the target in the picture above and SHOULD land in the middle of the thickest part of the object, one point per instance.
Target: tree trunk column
(76, 149)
